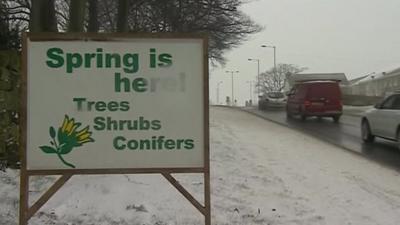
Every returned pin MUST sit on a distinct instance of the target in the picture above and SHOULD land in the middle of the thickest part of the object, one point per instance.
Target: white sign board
(116, 103)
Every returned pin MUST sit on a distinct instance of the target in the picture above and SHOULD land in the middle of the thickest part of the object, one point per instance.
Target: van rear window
(325, 90)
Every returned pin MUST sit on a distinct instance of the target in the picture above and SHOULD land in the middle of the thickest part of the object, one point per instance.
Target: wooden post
(24, 198)
(47, 195)
(207, 198)
(206, 173)
(24, 177)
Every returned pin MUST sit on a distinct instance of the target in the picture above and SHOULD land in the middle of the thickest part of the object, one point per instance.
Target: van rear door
(324, 97)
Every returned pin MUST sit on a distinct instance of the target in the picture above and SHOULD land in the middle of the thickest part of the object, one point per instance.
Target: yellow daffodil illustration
(68, 138)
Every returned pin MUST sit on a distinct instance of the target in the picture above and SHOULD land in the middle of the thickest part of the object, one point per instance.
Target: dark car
(272, 100)
(315, 98)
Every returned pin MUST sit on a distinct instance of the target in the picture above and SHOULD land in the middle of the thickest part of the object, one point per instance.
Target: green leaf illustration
(69, 136)
(62, 137)
(48, 149)
(52, 132)
(65, 149)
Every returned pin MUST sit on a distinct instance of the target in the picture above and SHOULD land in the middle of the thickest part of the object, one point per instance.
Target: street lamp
(251, 92)
(274, 47)
(232, 72)
(218, 91)
(258, 74)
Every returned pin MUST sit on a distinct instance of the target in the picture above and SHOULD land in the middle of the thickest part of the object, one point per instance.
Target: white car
(383, 120)
(272, 100)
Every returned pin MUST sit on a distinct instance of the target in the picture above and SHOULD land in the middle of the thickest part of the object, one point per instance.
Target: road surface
(345, 134)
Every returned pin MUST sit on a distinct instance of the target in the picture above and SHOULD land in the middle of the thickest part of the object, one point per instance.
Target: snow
(370, 77)
(261, 173)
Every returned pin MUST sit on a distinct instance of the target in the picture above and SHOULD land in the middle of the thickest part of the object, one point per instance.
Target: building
(375, 84)
(300, 77)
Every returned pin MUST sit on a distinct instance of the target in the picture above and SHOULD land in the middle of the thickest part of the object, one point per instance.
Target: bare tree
(274, 80)
(77, 12)
(9, 35)
(93, 24)
(16, 13)
(43, 16)
(106, 16)
(222, 20)
(62, 14)
(122, 16)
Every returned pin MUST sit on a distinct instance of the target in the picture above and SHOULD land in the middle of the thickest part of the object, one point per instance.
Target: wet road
(345, 134)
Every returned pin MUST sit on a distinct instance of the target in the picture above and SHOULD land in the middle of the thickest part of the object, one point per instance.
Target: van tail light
(307, 103)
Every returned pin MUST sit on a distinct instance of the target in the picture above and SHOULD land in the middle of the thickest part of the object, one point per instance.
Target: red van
(315, 98)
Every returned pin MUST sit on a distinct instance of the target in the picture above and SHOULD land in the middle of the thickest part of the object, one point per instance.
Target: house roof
(301, 77)
(356, 80)
(376, 76)
(393, 72)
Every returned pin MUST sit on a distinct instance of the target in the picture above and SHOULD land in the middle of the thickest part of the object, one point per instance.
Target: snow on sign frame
(114, 104)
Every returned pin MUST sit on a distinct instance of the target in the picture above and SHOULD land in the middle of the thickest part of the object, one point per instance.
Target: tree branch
(17, 18)
(16, 7)
(19, 12)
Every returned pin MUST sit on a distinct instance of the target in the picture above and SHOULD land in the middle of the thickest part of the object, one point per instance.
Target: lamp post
(258, 74)
(232, 72)
(218, 91)
(274, 47)
(251, 92)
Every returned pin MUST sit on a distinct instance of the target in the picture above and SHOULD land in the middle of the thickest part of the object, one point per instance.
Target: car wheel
(366, 134)
(303, 117)
(336, 119)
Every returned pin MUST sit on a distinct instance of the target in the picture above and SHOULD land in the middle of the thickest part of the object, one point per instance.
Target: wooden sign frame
(26, 211)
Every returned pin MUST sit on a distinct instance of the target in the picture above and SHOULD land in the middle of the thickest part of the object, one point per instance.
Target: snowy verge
(261, 173)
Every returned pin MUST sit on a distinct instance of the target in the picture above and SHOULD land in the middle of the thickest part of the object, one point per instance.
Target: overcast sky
(356, 37)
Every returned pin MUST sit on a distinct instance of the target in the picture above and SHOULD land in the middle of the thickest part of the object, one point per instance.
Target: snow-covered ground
(261, 173)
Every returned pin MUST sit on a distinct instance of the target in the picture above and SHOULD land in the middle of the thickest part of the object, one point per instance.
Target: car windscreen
(276, 95)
